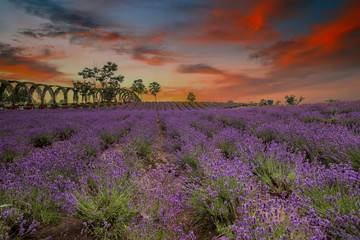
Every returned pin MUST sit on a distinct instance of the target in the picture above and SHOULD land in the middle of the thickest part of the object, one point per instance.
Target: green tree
(263, 102)
(292, 100)
(154, 88)
(139, 88)
(191, 97)
(21, 96)
(332, 100)
(85, 89)
(106, 77)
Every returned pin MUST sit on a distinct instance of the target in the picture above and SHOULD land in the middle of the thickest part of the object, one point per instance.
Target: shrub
(106, 210)
(355, 159)
(23, 214)
(334, 203)
(8, 155)
(143, 148)
(108, 139)
(64, 133)
(278, 176)
(267, 135)
(42, 140)
(227, 148)
(215, 205)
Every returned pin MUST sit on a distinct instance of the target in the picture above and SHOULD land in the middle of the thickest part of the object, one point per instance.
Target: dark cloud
(52, 31)
(56, 13)
(153, 55)
(28, 33)
(7, 51)
(12, 62)
(76, 35)
(192, 7)
(198, 68)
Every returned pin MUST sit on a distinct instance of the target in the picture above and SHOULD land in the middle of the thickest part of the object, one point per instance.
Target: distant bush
(42, 140)
(332, 100)
(64, 133)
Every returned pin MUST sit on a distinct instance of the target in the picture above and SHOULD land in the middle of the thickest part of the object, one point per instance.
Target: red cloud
(327, 43)
(242, 22)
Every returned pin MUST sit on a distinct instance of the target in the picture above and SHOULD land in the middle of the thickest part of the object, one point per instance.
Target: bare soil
(69, 229)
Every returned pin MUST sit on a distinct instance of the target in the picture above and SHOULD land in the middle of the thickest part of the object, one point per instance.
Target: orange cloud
(28, 72)
(15, 66)
(153, 55)
(96, 36)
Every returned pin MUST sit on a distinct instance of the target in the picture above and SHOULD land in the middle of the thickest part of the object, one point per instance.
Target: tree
(332, 100)
(106, 77)
(191, 97)
(292, 100)
(139, 88)
(263, 102)
(154, 88)
(85, 89)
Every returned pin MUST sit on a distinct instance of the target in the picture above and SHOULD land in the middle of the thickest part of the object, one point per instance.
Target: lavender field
(285, 172)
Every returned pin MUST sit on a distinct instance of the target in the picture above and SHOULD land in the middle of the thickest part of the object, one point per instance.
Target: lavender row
(252, 173)
(302, 182)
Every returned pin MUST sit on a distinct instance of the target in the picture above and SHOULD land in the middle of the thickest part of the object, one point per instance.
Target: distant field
(134, 105)
(181, 170)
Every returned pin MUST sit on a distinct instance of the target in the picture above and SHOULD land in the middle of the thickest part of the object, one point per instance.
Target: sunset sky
(240, 50)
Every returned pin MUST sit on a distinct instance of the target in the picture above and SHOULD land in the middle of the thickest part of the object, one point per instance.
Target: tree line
(110, 83)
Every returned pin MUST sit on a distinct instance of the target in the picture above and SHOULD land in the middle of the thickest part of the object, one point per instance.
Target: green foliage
(215, 204)
(139, 87)
(108, 138)
(267, 135)
(90, 150)
(263, 102)
(64, 133)
(191, 159)
(143, 148)
(8, 155)
(85, 88)
(331, 111)
(309, 119)
(235, 123)
(292, 100)
(26, 212)
(333, 201)
(21, 96)
(154, 88)
(41, 140)
(332, 100)
(354, 156)
(227, 148)
(191, 97)
(278, 176)
(107, 211)
(105, 76)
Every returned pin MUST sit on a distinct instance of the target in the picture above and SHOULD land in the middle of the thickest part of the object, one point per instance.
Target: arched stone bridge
(37, 92)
